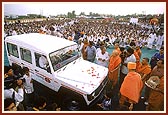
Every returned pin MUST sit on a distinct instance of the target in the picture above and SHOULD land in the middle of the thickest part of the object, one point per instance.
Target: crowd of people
(93, 30)
(93, 37)
(19, 93)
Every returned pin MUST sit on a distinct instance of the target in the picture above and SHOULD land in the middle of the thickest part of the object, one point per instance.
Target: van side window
(41, 61)
(12, 49)
(26, 55)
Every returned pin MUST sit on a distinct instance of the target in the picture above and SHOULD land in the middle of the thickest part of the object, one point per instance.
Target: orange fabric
(114, 62)
(131, 65)
(132, 86)
(84, 54)
(113, 75)
(82, 32)
(143, 69)
(139, 52)
(136, 56)
(118, 49)
(41, 32)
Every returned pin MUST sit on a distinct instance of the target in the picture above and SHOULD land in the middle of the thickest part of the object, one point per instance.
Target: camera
(11, 80)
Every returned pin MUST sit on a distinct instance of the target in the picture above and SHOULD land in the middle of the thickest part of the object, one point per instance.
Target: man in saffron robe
(144, 69)
(131, 87)
(116, 47)
(115, 61)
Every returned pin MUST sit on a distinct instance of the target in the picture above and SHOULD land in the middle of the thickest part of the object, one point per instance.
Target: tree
(82, 13)
(71, 14)
(90, 13)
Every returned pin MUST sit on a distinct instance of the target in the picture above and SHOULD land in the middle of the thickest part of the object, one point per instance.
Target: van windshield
(64, 56)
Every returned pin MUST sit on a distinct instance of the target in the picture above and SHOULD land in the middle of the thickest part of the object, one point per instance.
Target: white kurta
(159, 42)
(151, 40)
(124, 68)
(19, 95)
(104, 56)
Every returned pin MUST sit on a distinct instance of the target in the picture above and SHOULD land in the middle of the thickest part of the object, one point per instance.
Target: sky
(55, 8)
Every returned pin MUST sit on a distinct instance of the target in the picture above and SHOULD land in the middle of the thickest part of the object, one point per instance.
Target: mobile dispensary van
(57, 64)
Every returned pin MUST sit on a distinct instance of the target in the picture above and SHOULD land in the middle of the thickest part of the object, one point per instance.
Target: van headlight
(98, 90)
(91, 96)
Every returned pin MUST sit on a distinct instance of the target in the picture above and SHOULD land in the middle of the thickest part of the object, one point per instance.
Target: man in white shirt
(102, 57)
(151, 39)
(28, 87)
(124, 70)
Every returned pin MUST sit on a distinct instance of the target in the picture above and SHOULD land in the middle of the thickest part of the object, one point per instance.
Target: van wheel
(71, 104)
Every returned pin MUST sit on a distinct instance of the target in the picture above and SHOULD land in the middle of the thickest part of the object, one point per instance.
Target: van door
(43, 71)
(26, 59)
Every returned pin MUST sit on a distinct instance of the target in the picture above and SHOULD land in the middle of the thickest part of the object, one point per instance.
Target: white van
(57, 64)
